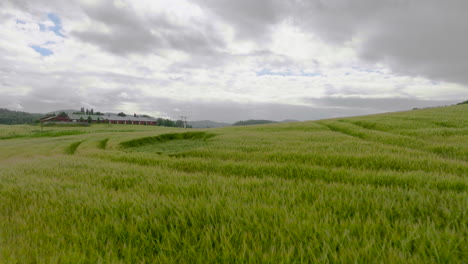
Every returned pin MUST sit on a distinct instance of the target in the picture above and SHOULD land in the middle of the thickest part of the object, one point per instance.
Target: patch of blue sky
(56, 28)
(41, 50)
(264, 72)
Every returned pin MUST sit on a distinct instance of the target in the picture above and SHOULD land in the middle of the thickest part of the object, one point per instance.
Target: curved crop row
(165, 137)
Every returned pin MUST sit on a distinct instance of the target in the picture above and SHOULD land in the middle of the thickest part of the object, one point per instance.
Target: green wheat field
(387, 188)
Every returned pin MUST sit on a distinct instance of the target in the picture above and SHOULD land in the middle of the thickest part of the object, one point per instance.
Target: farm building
(103, 118)
(55, 119)
(113, 119)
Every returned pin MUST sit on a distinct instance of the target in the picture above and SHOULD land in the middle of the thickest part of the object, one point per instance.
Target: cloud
(232, 60)
(251, 19)
(417, 38)
(264, 72)
(121, 30)
(426, 39)
(38, 8)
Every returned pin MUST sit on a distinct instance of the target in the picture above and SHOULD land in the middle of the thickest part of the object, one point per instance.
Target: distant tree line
(61, 114)
(8, 117)
(252, 122)
(87, 112)
(170, 123)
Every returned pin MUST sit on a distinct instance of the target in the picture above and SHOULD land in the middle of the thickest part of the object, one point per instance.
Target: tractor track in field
(400, 141)
(315, 172)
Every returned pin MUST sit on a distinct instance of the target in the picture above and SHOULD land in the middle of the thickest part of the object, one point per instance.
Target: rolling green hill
(387, 188)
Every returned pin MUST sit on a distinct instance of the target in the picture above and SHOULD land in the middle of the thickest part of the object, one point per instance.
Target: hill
(289, 121)
(253, 122)
(387, 188)
(8, 117)
(207, 124)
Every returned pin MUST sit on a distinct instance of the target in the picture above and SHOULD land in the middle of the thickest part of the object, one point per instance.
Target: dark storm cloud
(130, 33)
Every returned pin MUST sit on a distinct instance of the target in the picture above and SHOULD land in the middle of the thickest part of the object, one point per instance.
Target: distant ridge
(207, 124)
(253, 122)
(68, 111)
(289, 121)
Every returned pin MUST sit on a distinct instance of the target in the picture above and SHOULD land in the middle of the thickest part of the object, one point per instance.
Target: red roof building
(55, 119)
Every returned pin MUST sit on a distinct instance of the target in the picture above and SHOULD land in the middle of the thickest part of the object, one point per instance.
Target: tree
(90, 119)
(9, 117)
(81, 119)
(63, 114)
(92, 111)
(98, 120)
(252, 122)
(121, 114)
(179, 123)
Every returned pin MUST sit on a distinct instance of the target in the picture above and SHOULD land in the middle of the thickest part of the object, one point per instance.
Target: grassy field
(388, 188)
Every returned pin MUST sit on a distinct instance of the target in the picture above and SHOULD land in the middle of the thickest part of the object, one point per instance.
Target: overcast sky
(229, 60)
